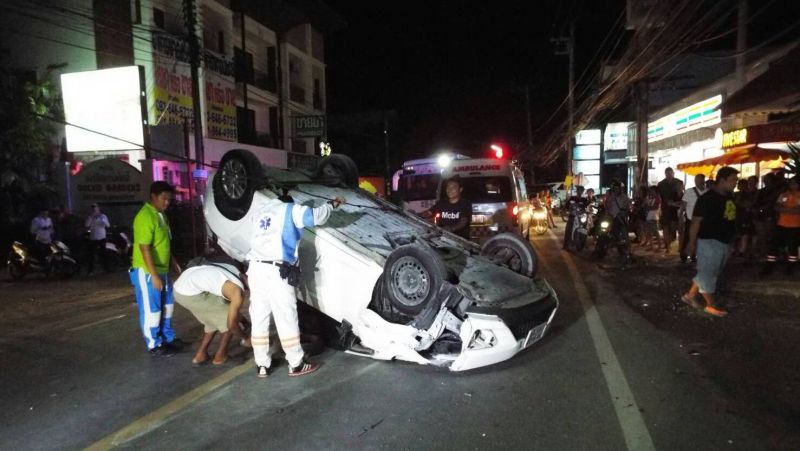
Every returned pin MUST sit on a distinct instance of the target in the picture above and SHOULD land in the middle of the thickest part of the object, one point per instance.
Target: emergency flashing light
(444, 160)
(498, 151)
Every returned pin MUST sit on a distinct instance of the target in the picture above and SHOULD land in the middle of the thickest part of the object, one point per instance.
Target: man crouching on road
(273, 275)
(710, 236)
(213, 293)
(149, 271)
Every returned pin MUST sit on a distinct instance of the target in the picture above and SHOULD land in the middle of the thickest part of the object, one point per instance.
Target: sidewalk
(752, 352)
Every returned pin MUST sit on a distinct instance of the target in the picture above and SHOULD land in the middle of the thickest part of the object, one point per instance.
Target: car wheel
(337, 170)
(239, 176)
(512, 252)
(412, 277)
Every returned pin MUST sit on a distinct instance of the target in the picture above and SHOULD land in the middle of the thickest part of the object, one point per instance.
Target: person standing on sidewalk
(273, 275)
(670, 191)
(42, 231)
(710, 237)
(149, 272)
(787, 233)
(97, 225)
(212, 292)
(689, 200)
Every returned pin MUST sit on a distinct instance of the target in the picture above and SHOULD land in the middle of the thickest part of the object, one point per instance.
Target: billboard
(172, 91)
(220, 92)
(107, 101)
(590, 136)
(616, 136)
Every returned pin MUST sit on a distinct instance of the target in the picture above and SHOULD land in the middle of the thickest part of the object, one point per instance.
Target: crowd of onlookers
(662, 213)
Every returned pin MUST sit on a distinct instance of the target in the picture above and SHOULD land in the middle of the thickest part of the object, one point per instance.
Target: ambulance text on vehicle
(418, 180)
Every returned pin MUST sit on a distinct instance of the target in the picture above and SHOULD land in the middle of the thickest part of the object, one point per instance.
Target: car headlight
(583, 219)
(482, 339)
(539, 215)
(605, 224)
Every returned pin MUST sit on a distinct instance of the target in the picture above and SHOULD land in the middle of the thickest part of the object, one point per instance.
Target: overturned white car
(405, 288)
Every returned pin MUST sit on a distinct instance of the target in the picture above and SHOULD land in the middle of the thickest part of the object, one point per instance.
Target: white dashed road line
(634, 429)
(94, 323)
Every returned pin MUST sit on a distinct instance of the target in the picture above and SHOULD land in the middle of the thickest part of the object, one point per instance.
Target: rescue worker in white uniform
(273, 276)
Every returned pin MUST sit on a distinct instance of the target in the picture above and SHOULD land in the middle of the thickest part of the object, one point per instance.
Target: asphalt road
(75, 375)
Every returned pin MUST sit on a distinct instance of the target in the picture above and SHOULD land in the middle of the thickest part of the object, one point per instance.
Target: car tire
(412, 277)
(513, 252)
(239, 176)
(337, 170)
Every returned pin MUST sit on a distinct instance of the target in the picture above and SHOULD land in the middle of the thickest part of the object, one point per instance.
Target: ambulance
(417, 183)
(496, 188)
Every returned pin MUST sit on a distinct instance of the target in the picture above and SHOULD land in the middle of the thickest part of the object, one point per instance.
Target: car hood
(490, 285)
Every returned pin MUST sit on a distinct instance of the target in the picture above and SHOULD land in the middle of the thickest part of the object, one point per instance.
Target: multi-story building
(262, 66)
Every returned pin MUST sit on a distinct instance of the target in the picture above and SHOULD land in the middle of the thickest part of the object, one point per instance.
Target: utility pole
(197, 113)
(388, 182)
(194, 56)
(566, 46)
(530, 133)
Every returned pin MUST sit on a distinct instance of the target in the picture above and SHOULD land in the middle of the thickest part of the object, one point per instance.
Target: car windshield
(418, 186)
(486, 190)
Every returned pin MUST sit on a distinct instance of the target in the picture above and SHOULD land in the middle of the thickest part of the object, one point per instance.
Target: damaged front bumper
(493, 334)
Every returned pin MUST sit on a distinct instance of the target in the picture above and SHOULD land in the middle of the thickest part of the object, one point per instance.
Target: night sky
(455, 71)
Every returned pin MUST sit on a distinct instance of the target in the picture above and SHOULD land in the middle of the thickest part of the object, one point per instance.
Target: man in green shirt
(149, 271)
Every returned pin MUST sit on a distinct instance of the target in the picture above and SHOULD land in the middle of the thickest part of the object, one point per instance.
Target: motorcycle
(118, 250)
(613, 232)
(581, 227)
(58, 260)
(539, 221)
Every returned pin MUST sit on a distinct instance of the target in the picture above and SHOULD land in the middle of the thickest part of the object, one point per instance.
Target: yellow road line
(159, 416)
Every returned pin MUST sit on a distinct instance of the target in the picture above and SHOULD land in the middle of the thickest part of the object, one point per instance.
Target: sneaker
(262, 372)
(711, 310)
(162, 351)
(303, 368)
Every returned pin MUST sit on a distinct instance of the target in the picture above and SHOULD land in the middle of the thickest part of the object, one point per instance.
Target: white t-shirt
(690, 196)
(206, 279)
(42, 228)
(97, 226)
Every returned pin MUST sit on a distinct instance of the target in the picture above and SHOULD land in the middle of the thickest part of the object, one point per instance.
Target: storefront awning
(740, 155)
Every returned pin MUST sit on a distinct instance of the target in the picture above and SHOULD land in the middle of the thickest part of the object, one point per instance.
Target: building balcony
(297, 94)
(265, 81)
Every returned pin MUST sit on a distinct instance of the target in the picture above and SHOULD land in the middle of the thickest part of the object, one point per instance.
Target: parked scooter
(118, 250)
(58, 260)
